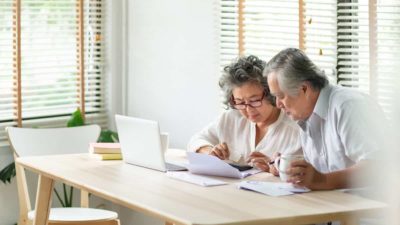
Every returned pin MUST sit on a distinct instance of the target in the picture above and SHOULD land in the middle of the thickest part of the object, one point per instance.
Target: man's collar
(320, 108)
(322, 104)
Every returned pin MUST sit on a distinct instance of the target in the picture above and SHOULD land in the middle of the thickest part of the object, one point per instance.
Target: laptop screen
(140, 142)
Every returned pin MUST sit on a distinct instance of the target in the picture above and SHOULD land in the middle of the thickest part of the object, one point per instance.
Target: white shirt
(239, 134)
(344, 128)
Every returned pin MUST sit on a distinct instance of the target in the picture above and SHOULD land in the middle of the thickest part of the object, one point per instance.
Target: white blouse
(240, 134)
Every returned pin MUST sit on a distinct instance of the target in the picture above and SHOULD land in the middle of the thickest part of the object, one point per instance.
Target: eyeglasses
(253, 104)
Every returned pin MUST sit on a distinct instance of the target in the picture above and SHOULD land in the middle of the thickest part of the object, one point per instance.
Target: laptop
(141, 143)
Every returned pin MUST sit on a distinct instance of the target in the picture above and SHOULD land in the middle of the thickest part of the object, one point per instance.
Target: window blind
(388, 56)
(368, 49)
(353, 44)
(49, 72)
(50, 63)
(320, 35)
(265, 27)
(229, 35)
(6, 67)
(95, 80)
(268, 26)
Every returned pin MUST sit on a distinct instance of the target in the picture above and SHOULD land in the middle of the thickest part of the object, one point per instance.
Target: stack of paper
(271, 188)
(211, 165)
(195, 179)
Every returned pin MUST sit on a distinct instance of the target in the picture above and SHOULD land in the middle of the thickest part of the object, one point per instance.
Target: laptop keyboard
(173, 167)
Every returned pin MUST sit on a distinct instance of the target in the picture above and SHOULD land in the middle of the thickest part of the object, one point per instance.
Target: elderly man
(341, 128)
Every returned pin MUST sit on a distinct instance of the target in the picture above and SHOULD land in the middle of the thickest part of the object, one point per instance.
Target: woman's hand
(272, 166)
(259, 160)
(220, 150)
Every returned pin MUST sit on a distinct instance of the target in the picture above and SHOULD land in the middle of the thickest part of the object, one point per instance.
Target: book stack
(105, 151)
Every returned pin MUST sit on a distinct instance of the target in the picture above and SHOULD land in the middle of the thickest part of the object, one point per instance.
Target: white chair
(50, 141)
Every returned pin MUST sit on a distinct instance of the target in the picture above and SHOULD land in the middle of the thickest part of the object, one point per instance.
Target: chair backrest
(46, 141)
(51, 141)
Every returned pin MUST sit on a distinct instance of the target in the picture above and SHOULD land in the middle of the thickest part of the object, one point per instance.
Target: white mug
(282, 163)
(164, 141)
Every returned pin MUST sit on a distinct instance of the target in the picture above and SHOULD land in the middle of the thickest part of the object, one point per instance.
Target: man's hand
(303, 174)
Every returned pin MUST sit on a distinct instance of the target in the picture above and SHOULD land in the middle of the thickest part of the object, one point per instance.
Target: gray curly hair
(240, 72)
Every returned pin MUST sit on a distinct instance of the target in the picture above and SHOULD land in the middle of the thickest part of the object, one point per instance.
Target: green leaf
(76, 119)
(115, 137)
(108, 136)
(7, 173)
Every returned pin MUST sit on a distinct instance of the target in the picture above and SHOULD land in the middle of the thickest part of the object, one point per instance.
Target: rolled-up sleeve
(206, 137)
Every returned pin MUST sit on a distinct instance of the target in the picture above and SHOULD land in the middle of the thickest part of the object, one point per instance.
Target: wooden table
(153, 193)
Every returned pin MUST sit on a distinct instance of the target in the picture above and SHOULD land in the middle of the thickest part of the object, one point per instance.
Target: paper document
(195, 179)
(211, 165)
(271, 188)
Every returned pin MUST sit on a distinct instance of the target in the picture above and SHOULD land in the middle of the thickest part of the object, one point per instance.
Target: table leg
(43, 200)
(84, 199)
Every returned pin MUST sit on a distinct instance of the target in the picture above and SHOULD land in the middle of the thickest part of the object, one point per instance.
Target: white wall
(8, 193)
(113, 52)
(172, 65)
(171, 51)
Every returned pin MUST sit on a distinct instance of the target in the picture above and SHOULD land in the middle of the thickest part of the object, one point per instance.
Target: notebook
(141, 143)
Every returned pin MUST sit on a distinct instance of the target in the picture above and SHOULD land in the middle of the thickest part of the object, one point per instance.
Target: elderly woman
(253, 129)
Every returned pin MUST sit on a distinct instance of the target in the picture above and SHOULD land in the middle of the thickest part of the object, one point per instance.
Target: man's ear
(305, 86)
(306, 89)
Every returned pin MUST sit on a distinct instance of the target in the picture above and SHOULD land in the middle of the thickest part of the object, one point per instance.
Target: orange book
(105, 148)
